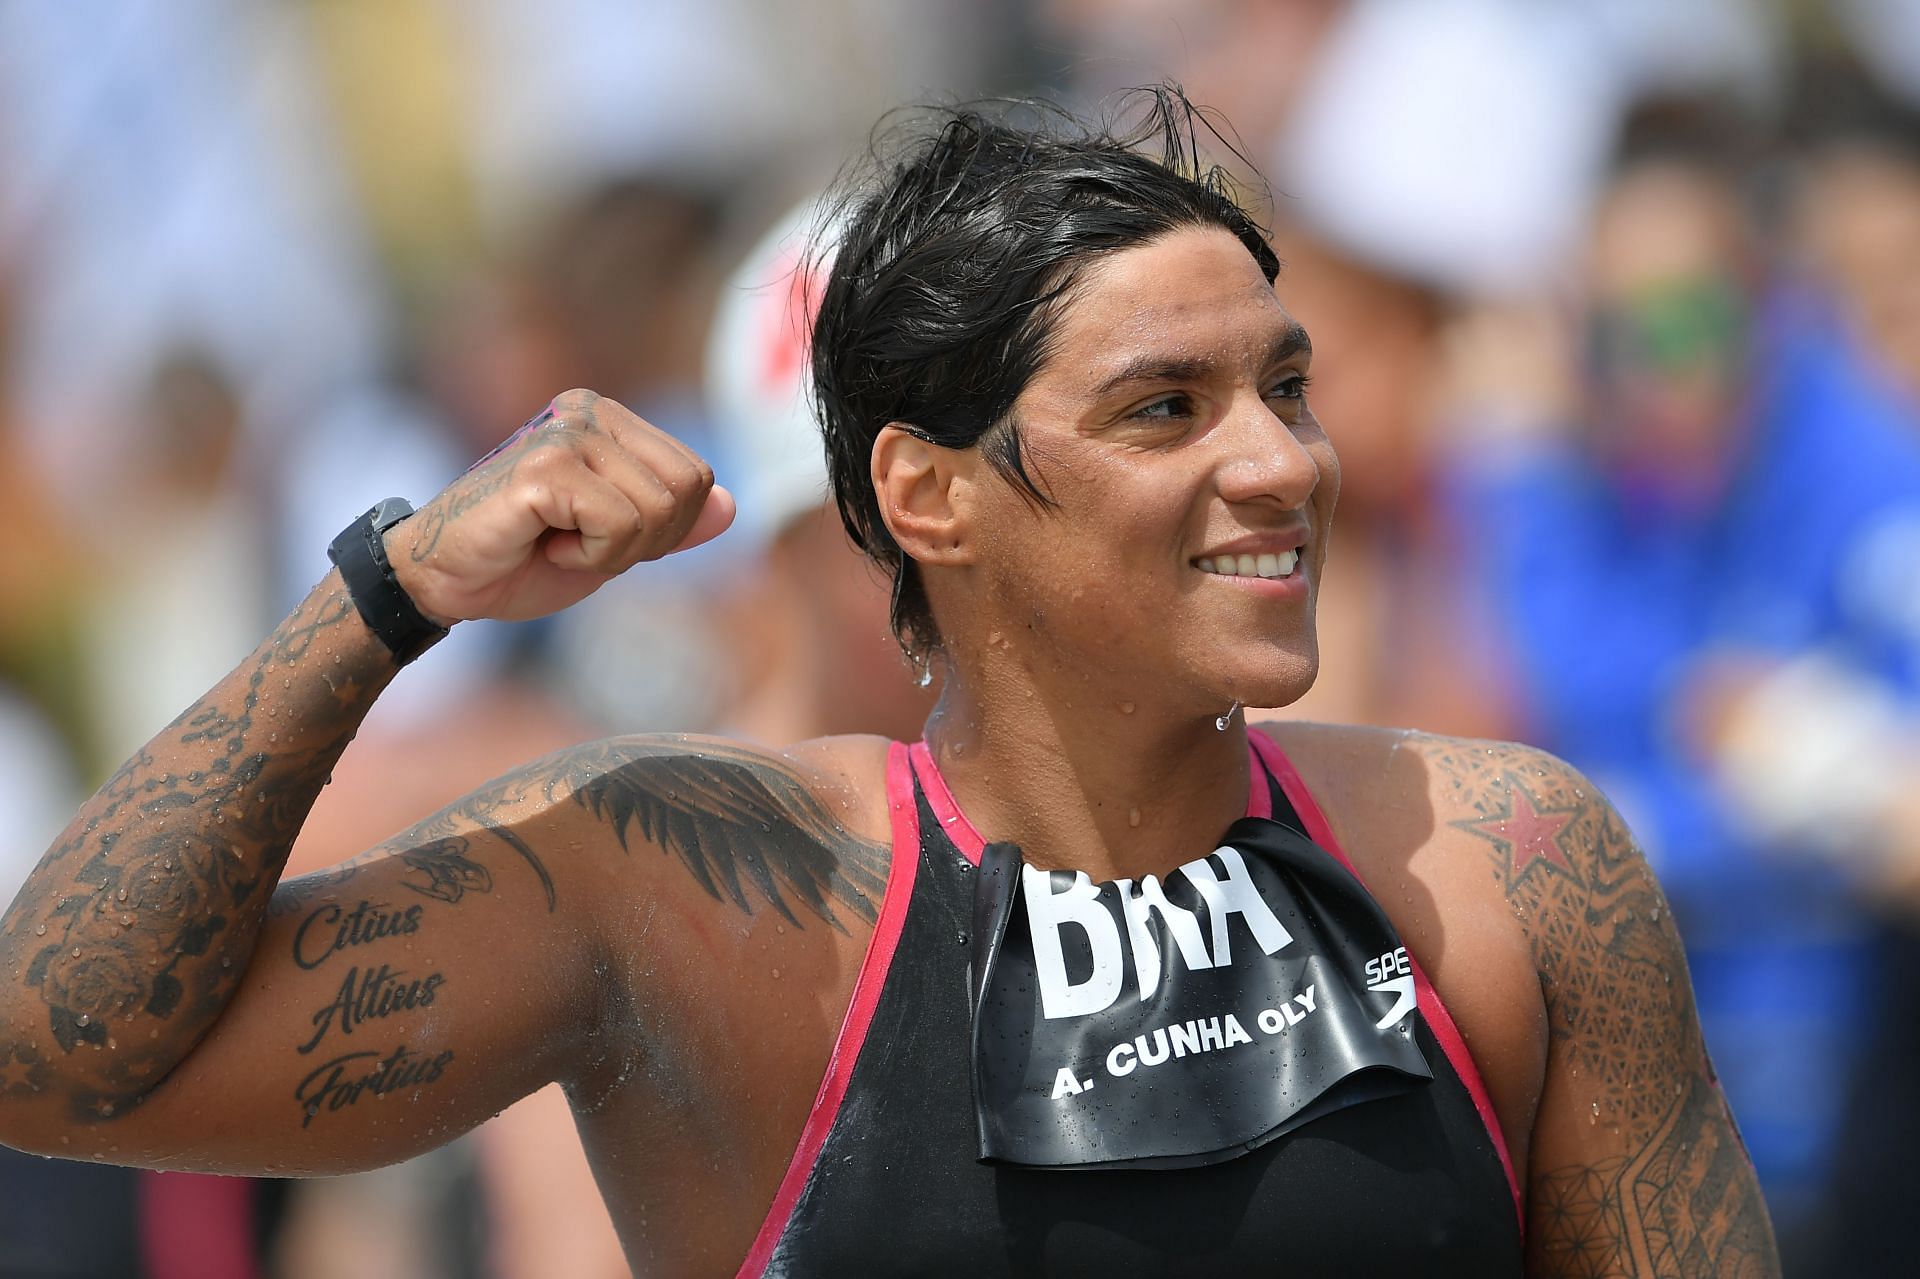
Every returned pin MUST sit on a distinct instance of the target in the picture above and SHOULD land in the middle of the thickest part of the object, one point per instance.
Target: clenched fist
(580, 494)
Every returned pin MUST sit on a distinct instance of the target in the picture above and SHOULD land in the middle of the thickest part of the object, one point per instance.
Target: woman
(1068, 413)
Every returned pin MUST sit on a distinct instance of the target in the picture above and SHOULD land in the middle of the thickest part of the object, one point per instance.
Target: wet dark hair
(955, 257)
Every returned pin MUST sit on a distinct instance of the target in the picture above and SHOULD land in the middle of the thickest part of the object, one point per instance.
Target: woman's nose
(1267, 458)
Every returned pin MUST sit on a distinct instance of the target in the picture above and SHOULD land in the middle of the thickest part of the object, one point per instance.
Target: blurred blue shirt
(1609, 597)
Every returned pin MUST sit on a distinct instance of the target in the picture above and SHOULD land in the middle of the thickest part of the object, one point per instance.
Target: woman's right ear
(923, 490)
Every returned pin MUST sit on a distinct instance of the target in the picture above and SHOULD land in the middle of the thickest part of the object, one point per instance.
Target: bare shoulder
(1528, 893)
(1517, 811)
(1531, 826)
(1633, 1164)
(1556, 849)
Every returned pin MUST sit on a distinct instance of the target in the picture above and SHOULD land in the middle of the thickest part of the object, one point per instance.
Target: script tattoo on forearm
(369, 994)
(343, 1081)
(144, 915)
(1684, 1201)
(331, 928)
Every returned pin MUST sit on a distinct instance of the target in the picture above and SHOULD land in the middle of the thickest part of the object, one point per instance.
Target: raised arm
(137, 976)
(1636, 1168)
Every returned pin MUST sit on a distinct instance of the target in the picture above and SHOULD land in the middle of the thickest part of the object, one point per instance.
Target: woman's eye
(1291, 387)
(1168, 408)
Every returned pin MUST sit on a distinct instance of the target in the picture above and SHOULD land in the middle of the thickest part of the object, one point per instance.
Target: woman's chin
(1277, 682)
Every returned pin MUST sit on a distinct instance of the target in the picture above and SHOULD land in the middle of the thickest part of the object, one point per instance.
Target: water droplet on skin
(776, 974)
(925, 677)
(76, 952)
(287, 683)
(83, 1018)
(42, 930)
(1126, 708)
(1133, 817)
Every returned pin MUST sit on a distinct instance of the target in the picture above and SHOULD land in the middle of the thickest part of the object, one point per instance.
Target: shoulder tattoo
(747, 829)
(1683, 1200)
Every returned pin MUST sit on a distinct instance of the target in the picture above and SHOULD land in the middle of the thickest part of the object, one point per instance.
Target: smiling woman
(1169, 426)
(1093, 979)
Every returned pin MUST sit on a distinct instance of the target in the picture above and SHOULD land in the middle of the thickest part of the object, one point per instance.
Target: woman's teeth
(1269, 565)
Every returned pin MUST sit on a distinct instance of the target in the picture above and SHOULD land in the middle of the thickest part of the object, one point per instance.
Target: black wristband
(361, 554)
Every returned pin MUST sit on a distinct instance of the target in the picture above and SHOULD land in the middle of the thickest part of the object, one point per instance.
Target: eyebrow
(1293, 340)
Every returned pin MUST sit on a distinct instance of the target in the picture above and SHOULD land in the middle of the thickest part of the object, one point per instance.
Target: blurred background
(1616, 311)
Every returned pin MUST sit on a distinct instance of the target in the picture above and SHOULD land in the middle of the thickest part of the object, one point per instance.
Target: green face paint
(1686, 326)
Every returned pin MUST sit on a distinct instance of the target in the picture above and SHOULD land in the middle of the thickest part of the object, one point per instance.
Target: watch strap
(360, 552)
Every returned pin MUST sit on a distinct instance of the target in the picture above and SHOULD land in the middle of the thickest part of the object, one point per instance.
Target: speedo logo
(1392, 973)
(1114, 926)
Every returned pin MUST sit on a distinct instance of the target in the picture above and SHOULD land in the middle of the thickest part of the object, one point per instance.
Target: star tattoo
(1527, 834)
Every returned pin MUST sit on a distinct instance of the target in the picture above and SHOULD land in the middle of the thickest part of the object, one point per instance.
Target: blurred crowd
(1616, 317)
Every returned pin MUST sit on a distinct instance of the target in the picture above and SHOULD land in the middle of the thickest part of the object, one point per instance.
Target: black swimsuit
(888, 1177)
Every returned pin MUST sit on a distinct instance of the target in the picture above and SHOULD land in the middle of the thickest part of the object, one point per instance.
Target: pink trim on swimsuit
(953, 822)
(853, 1029)
(969, 841)
(904, 763)
(1439, 1020)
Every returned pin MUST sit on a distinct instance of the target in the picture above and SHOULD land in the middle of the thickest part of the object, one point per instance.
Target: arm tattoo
(492, 473)
(143, 916)
(746, 828)
(736, 821)
(1683, 1204)
(342, 1081)
(443, 870)
(440, 849)
(1684, 1201)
